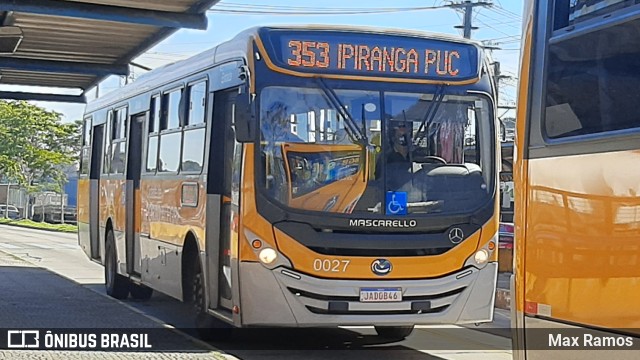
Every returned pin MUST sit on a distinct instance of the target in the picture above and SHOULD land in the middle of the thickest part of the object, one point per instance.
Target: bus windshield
(414, 161)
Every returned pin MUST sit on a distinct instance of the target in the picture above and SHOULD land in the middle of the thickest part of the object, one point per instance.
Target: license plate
(380, 294)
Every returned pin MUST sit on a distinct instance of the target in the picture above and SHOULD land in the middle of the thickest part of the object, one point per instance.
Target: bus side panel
(582, 253)
(113, 208)
(84, 187)
(103, 212)
(168, 215)
(159, 238)
(578, 221)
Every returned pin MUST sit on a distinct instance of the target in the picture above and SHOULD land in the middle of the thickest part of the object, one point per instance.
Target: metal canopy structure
(75, 44)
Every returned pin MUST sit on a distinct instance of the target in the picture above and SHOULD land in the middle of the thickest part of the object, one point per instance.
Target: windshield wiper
(430, 114)
(353, 130)
(411, 146)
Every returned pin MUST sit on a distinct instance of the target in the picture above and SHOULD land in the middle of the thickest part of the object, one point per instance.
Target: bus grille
(379, 252)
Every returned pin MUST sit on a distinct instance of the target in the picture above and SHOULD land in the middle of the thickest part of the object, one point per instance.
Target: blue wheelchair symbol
(396, 203)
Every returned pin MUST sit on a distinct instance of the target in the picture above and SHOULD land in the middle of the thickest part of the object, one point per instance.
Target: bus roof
(235, 48)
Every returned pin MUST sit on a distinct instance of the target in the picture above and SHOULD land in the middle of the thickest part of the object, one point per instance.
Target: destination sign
(367, 54)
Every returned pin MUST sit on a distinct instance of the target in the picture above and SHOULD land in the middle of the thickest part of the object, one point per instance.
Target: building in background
(13, 194)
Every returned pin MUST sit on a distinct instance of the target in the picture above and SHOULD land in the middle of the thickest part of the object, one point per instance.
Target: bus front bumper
(289, 298)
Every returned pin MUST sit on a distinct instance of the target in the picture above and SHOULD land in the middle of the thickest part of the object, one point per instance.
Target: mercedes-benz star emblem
(456, 235)
(381, 267)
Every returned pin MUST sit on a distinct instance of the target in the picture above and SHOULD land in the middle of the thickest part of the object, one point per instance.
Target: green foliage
(35, 144)
(43, 226)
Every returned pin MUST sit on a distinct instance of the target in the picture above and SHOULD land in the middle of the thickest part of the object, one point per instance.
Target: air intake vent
(10, 39)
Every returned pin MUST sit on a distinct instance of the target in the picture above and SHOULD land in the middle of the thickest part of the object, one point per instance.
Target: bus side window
(197, 100)
(119, 141)
(595, 89)
(106, 159)
(194, 132)
(171, 107)
(86, 145)
(153, 132)
(171, 132)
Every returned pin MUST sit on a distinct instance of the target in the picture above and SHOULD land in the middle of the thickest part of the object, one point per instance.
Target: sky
(500, 23)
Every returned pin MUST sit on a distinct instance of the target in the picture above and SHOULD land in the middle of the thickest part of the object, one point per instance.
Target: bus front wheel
(208, 327)
(394, 332)
(116, 284)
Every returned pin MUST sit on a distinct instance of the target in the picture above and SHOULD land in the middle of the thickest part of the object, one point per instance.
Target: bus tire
(140, 292)
(117, 285)
(394, 332)
(209, 328)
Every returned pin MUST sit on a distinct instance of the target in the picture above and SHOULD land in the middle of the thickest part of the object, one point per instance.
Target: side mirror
(245, 118)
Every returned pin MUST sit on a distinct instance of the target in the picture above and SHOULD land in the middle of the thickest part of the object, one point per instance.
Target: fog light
(481, 257)
(268, 256)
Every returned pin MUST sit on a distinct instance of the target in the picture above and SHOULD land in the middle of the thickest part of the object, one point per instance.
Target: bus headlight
(484, 254)
(265, 252)
(267, 256)
(481, 256)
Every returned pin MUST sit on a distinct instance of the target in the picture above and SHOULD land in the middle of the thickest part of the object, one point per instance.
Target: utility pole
(490, 46)
(468, 6)
(497, 76)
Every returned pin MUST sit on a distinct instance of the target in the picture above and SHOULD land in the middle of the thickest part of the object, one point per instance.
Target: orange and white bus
(577, 180)
(301, 177)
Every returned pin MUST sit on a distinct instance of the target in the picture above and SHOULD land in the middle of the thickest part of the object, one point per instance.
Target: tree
(36, 145)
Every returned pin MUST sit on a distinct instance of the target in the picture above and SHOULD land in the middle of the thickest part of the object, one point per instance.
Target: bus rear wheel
(208, 327)
(394, 332)
(117, 285)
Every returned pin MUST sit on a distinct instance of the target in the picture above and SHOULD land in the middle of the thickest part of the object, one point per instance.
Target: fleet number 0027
(327, 265)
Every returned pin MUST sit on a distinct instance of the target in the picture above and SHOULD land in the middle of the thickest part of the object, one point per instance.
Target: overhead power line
(246, 9)
(287, 8)
(515, 25)
(510, 37)
(493, 28)
(506, 12)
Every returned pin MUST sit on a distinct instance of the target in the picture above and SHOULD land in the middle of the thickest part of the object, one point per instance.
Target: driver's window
(421, 129)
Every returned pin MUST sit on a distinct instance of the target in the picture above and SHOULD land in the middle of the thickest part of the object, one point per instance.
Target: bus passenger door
(133, 212)
(221, 207)
(94, 191)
